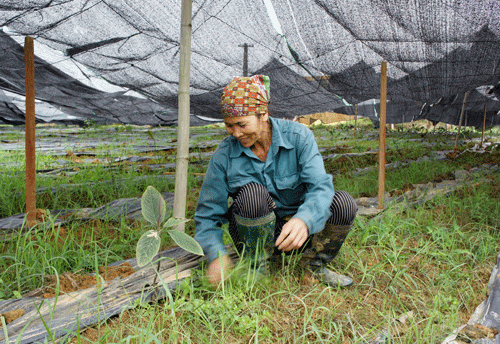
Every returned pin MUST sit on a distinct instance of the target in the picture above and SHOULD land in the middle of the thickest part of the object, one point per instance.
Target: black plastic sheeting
(487, 314)
(491, 316)
(80, 104)
(445, 110)
(324, 55)
(478, 101)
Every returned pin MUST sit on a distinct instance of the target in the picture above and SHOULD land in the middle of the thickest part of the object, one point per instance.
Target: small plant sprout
(154, 210)
(151, 136)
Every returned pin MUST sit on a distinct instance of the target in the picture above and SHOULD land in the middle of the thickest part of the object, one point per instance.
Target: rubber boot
(258, 237)
(322, 249)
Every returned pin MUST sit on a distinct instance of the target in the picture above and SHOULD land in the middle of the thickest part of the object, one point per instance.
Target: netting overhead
(321, 55)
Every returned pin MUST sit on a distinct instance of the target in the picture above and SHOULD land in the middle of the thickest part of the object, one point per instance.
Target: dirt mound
(69, 282)
(12, 315)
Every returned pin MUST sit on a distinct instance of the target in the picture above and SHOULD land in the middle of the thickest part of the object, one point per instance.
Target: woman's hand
(293, 235)
(217, 269)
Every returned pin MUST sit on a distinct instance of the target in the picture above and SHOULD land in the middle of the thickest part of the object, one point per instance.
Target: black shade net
(323, 56)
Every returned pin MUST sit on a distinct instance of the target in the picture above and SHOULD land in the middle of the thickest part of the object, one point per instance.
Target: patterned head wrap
(245, 96)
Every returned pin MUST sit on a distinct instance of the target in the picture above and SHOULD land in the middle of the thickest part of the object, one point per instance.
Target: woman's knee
(253, 201)
(343, 208)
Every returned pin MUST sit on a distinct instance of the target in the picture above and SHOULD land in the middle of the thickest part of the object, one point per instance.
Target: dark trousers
(253, 202)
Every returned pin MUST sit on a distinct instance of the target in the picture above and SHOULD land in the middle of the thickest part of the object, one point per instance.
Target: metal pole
(381, 144)
(29, 70)
(245, 57)
(181, 172)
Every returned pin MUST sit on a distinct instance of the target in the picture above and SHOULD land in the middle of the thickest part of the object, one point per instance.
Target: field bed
(423, 266)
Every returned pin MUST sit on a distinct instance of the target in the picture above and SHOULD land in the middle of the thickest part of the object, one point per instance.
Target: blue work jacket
(293, 173)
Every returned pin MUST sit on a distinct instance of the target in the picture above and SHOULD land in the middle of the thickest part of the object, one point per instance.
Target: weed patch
(419, 271)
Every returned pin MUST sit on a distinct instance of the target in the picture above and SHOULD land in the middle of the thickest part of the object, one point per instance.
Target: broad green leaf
(154, 208)
(174, 221)
(186, 242)
(147, 247)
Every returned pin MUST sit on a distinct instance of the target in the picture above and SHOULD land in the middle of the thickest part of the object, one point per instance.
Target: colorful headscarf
(245, 96)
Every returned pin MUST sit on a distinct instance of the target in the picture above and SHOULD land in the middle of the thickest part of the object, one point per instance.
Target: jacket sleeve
(316, 207)
(212, 207)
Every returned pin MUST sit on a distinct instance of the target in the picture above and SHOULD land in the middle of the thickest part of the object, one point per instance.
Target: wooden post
(460, 121)
(381, 143)
(181, 172)
(29, 70)
(484, 126)
(355, 122)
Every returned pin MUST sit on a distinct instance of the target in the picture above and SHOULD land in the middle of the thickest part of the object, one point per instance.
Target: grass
(427, 264)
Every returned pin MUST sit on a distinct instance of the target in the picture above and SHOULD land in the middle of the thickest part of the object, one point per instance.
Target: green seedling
(154, 210)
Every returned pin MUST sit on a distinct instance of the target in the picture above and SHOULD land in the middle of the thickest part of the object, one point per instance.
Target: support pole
(460, 121)
(355, 122)
(181, 172)
(484, 126)
(29, 70)
(381, 144)
(245, 57)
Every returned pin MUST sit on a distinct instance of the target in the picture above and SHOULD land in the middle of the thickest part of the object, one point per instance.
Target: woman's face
(246, 129)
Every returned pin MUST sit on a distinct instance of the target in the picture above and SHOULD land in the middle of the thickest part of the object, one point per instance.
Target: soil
(398, 192)
(472, 332)
(71, 156)
(12, 315)
(367, 194)
(69, 282)
(445, 176)
(40, 217)
(452, 155)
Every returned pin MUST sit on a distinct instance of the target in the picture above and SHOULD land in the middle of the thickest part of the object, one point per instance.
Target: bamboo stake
(381, 145)
(460, 121)
(29, 70)
(355, 122)
(484, 126)
(184, 110)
